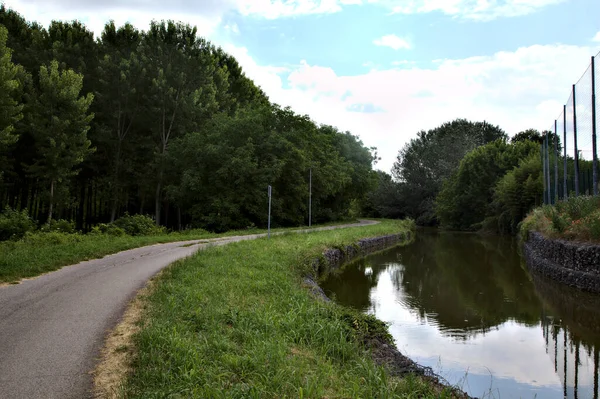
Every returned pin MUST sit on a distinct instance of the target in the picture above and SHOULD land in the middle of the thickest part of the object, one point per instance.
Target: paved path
(53, 327)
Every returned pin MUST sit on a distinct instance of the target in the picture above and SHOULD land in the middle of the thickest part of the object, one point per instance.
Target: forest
(163, 123)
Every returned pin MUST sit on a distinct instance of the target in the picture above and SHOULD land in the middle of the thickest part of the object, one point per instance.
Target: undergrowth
(577, 218)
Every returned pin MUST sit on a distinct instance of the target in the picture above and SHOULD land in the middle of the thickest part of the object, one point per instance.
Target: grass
(41, 253)
(236, 322)
(577, 218)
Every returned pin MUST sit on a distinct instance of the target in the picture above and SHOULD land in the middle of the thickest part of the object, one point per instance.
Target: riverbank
(238, 321)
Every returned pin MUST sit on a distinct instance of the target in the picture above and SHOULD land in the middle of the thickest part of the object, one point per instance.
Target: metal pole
(556, 154)
(310, 197)
(575, 143)
(548, 179)
(269, 223)
(544, 169)
(594, 145)
(566, 192)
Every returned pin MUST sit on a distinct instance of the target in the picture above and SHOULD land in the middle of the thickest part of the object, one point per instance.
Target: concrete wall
(572, 263)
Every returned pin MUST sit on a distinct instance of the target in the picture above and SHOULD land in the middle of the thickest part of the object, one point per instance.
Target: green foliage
(14, 224)
(577, 218)
(517, 192)
(10, 106)
(109, 229)
(578, 207)
(138, 225)
(60, 226)
(464, 201)
(59, 122)
(528, 135)
(178, 131)
(428, 160)
(41, 238)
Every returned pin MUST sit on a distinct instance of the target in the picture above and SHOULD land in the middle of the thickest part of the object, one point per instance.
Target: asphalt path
(53, 327)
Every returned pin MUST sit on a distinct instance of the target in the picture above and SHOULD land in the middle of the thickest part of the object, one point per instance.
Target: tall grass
(577, 218)
(235, 322)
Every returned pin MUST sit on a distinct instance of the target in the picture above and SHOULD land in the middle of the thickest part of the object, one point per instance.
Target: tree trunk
(51, 201)
(157, 202)
(113, 212)
(179, 218)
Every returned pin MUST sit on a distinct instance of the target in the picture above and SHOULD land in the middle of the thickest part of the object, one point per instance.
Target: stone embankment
(572, 263)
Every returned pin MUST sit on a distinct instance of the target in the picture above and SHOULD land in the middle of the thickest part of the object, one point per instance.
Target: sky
(384, 69)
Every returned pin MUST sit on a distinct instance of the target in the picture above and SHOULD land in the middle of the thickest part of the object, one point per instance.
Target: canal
(466, 306)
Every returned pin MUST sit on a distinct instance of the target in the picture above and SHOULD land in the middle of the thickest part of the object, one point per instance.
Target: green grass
(45, 252)
(236, 322)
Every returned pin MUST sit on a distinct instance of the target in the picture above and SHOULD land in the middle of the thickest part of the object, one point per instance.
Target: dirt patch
(119, 350)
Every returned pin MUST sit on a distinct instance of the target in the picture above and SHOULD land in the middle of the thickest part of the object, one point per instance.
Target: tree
(181, 93)
(428, 160)
(59, 120)
(519, 191)
(118, 99)
(528, 135)
(10, 107)
(463, 203)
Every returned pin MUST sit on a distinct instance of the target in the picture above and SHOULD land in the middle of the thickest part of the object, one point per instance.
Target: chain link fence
(569, 151)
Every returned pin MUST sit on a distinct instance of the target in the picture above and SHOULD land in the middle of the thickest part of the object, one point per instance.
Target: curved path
(53, 327)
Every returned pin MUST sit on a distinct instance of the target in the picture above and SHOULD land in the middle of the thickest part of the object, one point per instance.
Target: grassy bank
(40, 253)
(235, 322)
(577, 218)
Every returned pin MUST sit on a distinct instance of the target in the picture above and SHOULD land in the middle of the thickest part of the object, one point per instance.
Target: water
(465, 306)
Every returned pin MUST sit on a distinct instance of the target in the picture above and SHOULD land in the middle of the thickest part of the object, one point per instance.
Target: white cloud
(470, 9)
(597, 37)
(392, 41)
(517, 90)
(206, 18)
(234, 28)
(272, 9)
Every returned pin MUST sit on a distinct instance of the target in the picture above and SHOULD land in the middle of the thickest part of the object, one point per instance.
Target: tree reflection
(467, 285)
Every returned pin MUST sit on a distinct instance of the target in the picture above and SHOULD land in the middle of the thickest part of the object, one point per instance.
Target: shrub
(51, 238)
(14, 224)
(578, 207)
(60, 226)
(108, 229)
(138, 225)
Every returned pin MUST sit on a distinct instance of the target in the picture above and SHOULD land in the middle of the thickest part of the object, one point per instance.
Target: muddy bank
(378, 341)
(571, 263)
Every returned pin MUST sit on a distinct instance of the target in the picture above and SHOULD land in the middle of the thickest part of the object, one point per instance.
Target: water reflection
(465, 306)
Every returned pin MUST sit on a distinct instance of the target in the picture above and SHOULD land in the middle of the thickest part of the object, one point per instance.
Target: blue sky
(385, 69)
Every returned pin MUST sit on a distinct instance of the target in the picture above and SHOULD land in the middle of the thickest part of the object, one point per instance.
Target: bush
(51, 238)
(138, 225)
(578, 207)
(14, 224)
(577, 218)
(108, 229)
(59, 226)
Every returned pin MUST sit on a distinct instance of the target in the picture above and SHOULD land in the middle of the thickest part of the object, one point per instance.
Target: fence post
(566, 188)
(269, 222)
(544, 168)
(594, 145)
(575, 143)
(556, 154)
(547, 153)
